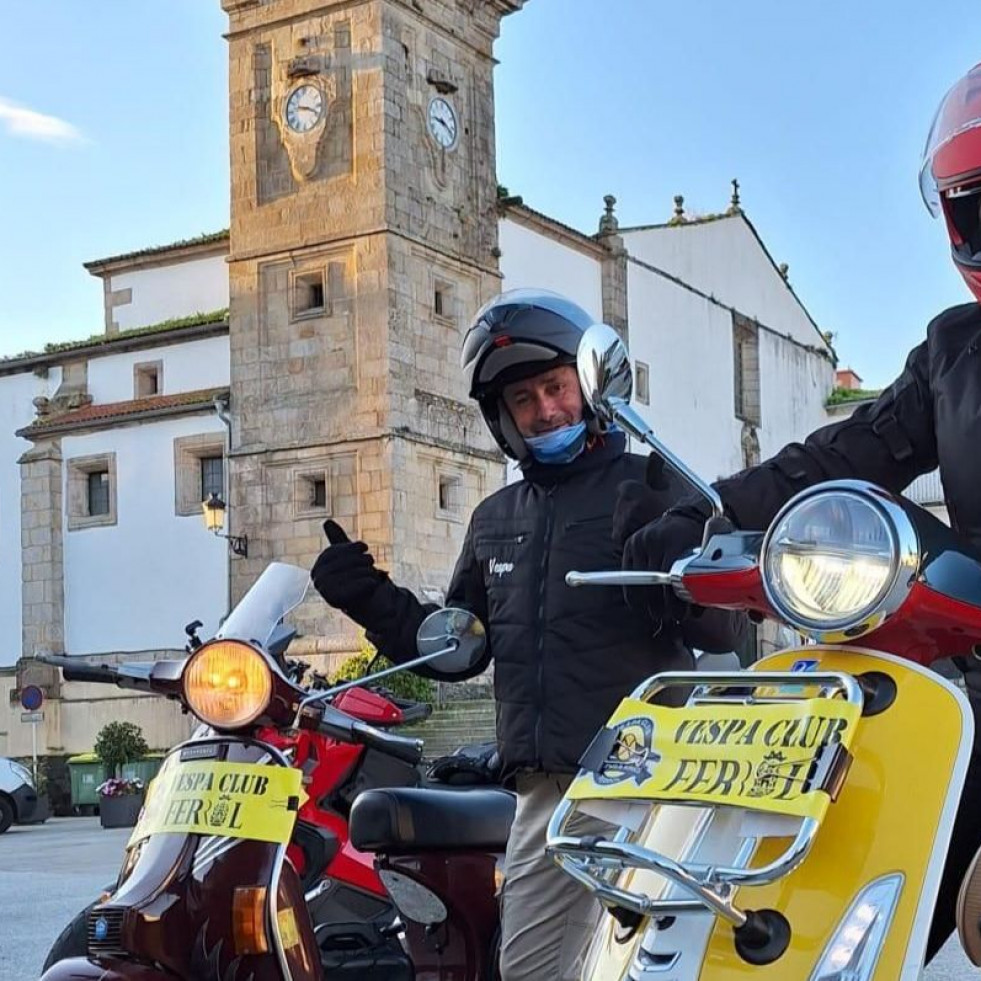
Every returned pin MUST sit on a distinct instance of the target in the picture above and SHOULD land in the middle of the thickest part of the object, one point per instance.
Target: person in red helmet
(929, 417)
(950, 178)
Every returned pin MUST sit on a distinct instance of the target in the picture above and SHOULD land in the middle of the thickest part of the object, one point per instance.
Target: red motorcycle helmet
(950, 178)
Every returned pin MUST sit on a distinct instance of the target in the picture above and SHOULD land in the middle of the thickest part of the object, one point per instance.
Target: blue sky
(113, 136)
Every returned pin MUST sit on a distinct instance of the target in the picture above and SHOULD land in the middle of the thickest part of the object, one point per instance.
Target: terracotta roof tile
(108, 412)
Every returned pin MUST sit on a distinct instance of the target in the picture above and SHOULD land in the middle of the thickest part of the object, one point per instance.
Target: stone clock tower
(363, 235)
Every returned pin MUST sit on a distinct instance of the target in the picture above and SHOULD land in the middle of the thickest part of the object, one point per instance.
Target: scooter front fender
(103, 969)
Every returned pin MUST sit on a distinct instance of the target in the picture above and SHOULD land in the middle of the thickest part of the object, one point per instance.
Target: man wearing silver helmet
(563, 658)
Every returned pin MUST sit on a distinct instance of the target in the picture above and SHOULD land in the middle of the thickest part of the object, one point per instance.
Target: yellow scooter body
(894, 813)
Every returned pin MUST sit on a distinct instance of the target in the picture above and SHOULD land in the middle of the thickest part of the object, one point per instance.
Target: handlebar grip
(716, 525)
(343, 727)
(99, 673)
(402, 748)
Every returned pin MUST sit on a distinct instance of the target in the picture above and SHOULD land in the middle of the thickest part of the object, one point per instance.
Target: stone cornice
(112, 345)
(164, 255)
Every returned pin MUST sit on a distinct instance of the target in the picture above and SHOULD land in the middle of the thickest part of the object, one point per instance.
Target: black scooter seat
(413, 819)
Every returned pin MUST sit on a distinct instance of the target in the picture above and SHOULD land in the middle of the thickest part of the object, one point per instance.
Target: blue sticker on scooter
(807, 664)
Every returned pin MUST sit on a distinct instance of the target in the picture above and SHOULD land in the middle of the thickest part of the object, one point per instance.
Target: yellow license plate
(756, 756)
(230, 800)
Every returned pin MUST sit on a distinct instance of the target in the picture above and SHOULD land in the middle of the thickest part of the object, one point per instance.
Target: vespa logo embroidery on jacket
(500, 569)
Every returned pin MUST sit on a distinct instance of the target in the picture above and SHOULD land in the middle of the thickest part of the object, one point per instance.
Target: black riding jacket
(930, 416)
(563, 657)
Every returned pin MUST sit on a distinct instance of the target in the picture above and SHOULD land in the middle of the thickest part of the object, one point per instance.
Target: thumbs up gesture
(344, 573)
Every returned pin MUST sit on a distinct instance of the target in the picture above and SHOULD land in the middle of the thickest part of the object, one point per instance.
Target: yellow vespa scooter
(790, 821)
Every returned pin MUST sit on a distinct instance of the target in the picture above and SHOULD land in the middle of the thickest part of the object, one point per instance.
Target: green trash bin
(87, 773)
(145, 769)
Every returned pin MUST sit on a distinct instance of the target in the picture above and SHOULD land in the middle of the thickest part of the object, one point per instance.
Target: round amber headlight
(227, 684)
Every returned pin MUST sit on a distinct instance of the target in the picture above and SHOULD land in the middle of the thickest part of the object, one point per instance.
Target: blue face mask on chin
(560, 445)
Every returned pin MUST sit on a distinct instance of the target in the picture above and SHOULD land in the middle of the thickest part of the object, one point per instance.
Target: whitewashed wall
(687, 343)
(134, 585)
(795, 384)
(187, 367)
(177, 290)
(16, 411)
(529, 259)
(724, 259)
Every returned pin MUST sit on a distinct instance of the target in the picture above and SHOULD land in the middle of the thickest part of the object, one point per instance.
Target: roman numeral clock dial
(443, 125)
(304, 108)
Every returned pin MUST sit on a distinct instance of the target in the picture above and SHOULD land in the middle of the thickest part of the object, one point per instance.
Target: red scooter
(210, 885)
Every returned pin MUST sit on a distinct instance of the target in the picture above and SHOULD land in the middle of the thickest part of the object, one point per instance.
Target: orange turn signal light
(249, 920)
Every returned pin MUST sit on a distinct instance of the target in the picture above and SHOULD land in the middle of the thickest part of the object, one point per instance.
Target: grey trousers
(547, 917)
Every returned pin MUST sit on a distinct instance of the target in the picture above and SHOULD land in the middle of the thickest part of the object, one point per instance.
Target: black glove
(344, 573)
(639, 502)
(656, 547)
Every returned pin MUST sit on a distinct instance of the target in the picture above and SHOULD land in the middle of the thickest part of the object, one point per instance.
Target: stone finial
(608, 224)
(734, 204)
(679, 206)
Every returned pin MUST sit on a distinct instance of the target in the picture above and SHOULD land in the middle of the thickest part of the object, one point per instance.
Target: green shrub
(405, 684)
(119, 743)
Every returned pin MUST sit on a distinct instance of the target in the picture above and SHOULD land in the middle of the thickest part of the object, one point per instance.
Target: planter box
(120, 812)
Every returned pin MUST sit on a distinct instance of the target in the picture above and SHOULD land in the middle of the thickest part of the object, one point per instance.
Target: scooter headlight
(227, 684)
(839, 560)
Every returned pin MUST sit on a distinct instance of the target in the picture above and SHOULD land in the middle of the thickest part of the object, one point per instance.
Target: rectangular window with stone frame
(91, 491)
(199, 471)
(449, 497)
(746, 369)
(444, 301)
(311, 492)
(147, 379)
(212, 477)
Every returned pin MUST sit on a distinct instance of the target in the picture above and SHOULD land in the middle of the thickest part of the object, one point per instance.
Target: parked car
(18, 797)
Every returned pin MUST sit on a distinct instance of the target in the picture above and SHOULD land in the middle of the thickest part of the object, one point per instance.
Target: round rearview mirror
(453, 638)
(604, 371)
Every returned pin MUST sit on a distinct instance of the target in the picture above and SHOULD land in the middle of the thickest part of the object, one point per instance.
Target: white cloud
(21, 121)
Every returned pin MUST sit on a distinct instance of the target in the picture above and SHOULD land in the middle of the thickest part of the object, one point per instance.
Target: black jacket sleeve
(395, 615)
(889, 442)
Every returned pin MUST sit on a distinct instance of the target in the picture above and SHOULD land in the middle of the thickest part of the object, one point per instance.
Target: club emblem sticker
(632, 756)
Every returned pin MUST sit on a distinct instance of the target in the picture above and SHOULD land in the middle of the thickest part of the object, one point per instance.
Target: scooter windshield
(277, 591)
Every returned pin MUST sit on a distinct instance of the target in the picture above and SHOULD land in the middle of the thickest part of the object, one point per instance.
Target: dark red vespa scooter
(206, 889)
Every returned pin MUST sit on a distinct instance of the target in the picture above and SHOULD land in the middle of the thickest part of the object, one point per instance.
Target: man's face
(545, 402)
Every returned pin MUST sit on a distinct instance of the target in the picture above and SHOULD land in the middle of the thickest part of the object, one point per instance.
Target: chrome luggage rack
(597, 862)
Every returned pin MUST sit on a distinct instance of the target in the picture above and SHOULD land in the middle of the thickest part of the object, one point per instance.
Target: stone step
(452, 726)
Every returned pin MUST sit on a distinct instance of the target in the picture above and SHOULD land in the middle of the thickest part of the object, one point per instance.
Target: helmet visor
(959, 113)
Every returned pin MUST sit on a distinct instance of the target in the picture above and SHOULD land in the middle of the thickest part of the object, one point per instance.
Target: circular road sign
(31, 698)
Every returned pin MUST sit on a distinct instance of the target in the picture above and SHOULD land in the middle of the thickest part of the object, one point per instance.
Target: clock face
(304, 108)
(443, 123)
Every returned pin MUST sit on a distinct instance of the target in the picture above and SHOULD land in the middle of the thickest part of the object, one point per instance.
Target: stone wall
(42, 550)
(358, 251)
